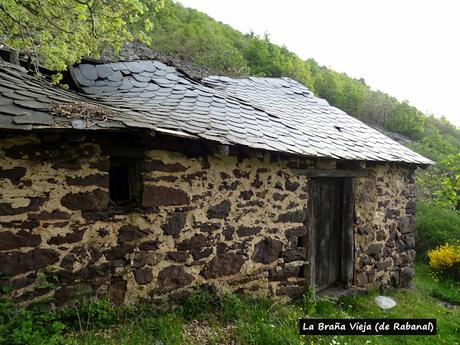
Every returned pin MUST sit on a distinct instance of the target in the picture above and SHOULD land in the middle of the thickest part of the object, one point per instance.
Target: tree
(190, 35)
(328, 85)
(407, 120)
(61, 32)
(449, 195)
(376, 107)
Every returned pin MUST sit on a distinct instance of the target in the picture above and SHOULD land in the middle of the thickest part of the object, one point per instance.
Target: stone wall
(235, 221)
(384, 225)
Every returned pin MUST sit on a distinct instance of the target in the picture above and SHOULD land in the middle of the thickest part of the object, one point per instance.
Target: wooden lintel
(124, 151)
(331, 173)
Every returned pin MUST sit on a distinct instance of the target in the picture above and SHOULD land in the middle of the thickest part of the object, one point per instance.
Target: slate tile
(126, 85)
(88, 71)
(159, 65)
(99, 89)
(13, 95)
(6, 122)
(160, 73)
(81, 79)
(32, 104)
(5, 101)
(100, 82)
(135, 66)
(118, 66)
(172, 76)
(141, 78)
(149, 67)
(11, 86)
(35, 118)
(115, 76)
(12, 109)
(104, 70)
(114, 84)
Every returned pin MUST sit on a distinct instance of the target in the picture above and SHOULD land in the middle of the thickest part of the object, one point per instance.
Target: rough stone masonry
(234, 221)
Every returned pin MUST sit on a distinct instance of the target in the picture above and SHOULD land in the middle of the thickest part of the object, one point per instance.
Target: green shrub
(34, 325)
(100, 313)
(200, 304)
(29, 326)
(445, 260)
(308, 302)
(435, 226)
(232, 307)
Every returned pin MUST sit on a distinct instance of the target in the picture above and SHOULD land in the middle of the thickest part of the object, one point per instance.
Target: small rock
(385, 302)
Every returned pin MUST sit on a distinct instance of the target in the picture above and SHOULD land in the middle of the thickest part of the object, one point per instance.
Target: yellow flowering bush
(446, 259)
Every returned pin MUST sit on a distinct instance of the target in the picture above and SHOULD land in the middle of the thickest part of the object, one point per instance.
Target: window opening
(124, 181)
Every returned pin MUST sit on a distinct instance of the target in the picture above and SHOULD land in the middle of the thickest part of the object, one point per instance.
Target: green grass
(410, 304)
(233, 319)
(167, 329)
(443, 288)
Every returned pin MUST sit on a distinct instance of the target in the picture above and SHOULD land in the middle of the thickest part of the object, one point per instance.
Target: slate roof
(265, 113)
(25, 102)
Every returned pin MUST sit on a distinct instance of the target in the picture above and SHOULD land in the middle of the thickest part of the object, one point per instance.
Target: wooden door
(326, 197)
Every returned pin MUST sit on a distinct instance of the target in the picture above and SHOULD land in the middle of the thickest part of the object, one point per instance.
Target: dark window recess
(301, 241)
(301, 273)
(124, 181)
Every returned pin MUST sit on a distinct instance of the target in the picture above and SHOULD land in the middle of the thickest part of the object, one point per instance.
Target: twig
(50, 21)
(90, 9)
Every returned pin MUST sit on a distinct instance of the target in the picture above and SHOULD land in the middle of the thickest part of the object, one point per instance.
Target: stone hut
(142, 182)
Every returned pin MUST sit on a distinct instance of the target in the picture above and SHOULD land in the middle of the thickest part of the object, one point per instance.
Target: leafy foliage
(29, 326)
(435, 226)
(199, 305)
(450, 191)
(63, 31)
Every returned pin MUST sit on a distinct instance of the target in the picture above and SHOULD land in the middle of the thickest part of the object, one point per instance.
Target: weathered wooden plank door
(330, 241)
(330, 232)
(326, 196)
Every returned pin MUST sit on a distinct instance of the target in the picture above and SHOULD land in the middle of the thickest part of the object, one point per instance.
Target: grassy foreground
(206, 319)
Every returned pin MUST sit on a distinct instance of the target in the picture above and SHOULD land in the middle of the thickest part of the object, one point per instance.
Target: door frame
(348, 245)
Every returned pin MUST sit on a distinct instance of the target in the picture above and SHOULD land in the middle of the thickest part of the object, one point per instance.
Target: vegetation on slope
(436, 225)
(191, 35)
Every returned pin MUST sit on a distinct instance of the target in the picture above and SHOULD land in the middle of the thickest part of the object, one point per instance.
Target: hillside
(190, 35)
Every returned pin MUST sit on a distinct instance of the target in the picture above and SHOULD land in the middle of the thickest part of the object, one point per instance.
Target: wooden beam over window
(331, 172)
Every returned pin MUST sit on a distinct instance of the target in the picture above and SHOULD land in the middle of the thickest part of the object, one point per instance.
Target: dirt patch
(201, 332)
(448, 305)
